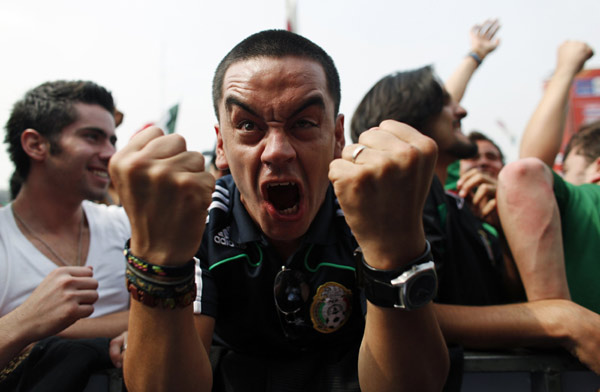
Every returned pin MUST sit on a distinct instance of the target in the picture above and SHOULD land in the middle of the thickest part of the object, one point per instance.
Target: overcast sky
(152, 54)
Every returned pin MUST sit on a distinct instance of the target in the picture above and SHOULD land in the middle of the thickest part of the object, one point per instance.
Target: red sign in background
(584, 103)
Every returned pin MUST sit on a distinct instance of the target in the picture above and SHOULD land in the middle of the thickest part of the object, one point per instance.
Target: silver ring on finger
(357, 152)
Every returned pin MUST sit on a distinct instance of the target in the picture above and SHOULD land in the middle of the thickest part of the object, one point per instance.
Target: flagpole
(290, 10)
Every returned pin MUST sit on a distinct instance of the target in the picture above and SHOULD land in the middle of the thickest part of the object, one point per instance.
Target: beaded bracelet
(153, 294)
(153, 285)
(160, 270)
(147, 299)
(158, 280)
(157, 289)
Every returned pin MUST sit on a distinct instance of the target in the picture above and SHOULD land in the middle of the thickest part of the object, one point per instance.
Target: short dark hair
(15, 184)
(412, 97)
(476, 136)
(586, 142)
(277, 44)
(48, 109)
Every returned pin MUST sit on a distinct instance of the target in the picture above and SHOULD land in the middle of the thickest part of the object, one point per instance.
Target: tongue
(283, 197)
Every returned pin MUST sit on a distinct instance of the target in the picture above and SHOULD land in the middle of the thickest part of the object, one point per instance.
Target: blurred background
(155, 54)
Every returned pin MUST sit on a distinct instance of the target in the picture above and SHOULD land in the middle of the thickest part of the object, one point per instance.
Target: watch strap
(377, 284)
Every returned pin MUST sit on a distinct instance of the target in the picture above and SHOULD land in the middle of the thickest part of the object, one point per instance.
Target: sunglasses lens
(291, 291)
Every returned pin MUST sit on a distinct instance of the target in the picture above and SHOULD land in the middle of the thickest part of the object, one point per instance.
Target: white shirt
(23, 266)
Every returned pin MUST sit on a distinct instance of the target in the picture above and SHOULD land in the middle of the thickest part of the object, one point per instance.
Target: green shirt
(580, 218)
(453, 176)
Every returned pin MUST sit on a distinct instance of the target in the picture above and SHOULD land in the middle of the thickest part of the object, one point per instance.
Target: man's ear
(221, 159)
(340, 138)
(34, 144)
(595, 168)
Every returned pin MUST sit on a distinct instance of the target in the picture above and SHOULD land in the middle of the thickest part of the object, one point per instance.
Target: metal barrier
(525, 370)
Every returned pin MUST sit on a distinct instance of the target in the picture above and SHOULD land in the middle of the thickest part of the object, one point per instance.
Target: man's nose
(460, 111)
(108, 150)
(278, 147)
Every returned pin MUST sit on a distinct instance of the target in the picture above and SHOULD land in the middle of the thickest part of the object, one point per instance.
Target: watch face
(420, 290)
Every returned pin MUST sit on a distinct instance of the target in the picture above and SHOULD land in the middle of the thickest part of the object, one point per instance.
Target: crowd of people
(314, 264)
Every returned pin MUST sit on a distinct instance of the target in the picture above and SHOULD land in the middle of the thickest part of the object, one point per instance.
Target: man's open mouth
(100, 173)
(284, 196)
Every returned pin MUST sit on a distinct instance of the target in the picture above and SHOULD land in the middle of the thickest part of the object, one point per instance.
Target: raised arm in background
(483, 42)
(544, 132)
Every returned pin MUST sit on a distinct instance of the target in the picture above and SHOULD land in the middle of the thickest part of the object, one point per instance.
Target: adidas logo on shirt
(222, 238)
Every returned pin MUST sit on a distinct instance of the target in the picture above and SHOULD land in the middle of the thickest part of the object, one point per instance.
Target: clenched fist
(382, 190)
(166, 194)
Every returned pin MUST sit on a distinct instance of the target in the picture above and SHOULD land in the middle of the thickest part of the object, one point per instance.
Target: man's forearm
(402, 348)
(527, 324)
(174, 357)
(483, 42)
(456, 85)
(531, 219)
(543, 135)
(107, 326)
(14, 337)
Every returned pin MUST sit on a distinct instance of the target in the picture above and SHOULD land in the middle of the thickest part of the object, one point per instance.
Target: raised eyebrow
(313, 101)
(230, 102)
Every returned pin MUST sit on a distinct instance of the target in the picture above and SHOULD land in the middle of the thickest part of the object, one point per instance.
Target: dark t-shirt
(468, 257)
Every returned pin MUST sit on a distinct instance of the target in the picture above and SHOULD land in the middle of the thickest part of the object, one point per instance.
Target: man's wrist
(153, 285)
(476, 57)
(408, 287)
(565, 72)
(156, 254)
(392, 254)
(555, 320)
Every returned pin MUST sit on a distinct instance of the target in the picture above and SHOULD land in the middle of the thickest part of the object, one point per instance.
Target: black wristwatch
(410, 287)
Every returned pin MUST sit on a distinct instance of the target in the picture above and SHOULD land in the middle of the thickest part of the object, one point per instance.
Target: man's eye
(305, 124)
(247, 126)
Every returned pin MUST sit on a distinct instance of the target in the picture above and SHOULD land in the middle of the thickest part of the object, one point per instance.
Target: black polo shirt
(237, 273)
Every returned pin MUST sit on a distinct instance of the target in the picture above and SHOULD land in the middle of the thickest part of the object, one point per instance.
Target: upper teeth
(100, 173)
(280, 184)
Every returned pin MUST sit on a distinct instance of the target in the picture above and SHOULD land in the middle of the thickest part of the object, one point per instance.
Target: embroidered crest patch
(331, 307)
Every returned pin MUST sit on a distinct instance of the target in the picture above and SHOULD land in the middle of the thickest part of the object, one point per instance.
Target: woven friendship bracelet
(161, 281)
(147, 299)
(157, 289)
(156, 285)
(155, 294)
(159, 270)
